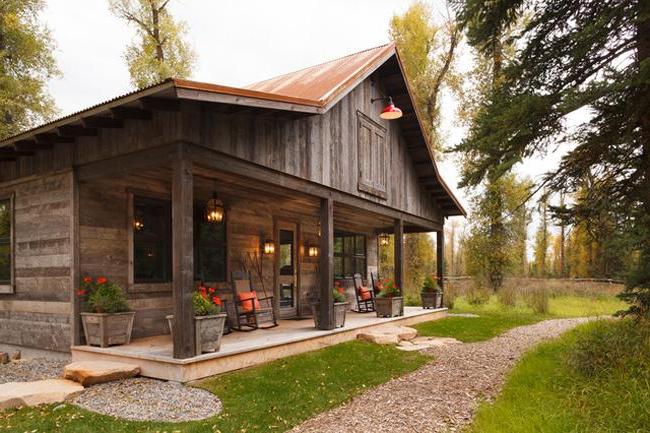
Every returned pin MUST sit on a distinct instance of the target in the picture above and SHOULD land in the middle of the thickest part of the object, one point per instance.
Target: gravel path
(26, 370)
(442, 395)
(149, 400)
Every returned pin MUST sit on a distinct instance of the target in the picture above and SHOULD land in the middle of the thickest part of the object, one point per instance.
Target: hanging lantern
(384, 239)
(214, 209)
(269, 246)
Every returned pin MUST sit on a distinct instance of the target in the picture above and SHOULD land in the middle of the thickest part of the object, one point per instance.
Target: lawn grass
(495, 319)
(270, 397)
(593, 379)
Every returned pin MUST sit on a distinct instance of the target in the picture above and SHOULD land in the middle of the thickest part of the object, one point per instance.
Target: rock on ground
(145, 399)
(94, 372)
(31, 369)
(17, 394)
(442, 395)
(392, 335)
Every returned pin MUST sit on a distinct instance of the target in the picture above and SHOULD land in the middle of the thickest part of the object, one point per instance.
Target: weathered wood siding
(38, 313)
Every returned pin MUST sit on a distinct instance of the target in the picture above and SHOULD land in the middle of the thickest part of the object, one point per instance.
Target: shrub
(507, 296)
(390, 290)
(338, 296)
(452, 292)
(537, 299)
(478, 294)
(430, 285)
(103, 296)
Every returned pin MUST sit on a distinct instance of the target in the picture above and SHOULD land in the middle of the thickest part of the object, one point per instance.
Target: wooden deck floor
(244, 349)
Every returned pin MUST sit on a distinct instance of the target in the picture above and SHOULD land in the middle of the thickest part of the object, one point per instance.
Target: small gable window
(372, 157)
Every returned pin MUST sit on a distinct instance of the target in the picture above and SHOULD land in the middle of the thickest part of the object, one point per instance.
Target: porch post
(440, 256)
(399, 256)
(182, 255)
(326, 263)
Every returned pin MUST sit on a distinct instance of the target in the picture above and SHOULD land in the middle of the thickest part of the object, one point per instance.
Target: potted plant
(208, 319)
(388, 302)
(431, 293)
(109, 320)
(340, 307)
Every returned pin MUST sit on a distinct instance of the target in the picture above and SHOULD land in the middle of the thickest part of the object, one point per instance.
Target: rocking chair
(249, 311)
(365, 296)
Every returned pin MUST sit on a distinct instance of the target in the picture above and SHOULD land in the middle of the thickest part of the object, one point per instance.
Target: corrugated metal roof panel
(322, 82)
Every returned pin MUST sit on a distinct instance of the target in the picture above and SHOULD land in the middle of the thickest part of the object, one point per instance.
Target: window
(372, 156)
(209, 248)
(6, 246)
(349, 255)
(151, 240)
(286, 252)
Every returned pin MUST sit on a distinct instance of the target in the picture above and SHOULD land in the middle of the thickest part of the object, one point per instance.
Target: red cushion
(246, 301)
(364, 293)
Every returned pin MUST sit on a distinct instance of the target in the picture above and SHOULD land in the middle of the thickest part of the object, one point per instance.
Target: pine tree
(26, 63)
(159, 50)
(571, 55)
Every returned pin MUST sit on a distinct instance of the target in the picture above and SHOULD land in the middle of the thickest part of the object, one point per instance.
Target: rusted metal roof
(324, 82)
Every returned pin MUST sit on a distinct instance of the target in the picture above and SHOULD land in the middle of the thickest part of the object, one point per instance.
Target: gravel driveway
(442, 395)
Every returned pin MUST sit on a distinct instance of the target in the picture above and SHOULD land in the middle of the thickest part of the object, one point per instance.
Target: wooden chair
(365, 304)
(249, 315)
(375, 281)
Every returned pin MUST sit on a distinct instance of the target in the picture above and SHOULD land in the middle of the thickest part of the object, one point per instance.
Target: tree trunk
(155, 16)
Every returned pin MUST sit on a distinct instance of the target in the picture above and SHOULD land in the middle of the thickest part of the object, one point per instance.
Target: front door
(287, 269)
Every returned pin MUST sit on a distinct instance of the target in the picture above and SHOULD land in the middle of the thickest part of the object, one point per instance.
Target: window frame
(199, 211)
(372, 179)
(353, 255)
(158, 281)
(8, 287)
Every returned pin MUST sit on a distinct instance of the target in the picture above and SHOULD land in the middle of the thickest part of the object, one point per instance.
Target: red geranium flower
(82, 292)
(101, 280)
(88, 280)
(340, 289)
(202, 290)
(216, 300)
(211, 289)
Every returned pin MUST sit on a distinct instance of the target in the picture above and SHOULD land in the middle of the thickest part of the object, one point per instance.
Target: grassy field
(495, 319)
(593, 379)
(271, 397)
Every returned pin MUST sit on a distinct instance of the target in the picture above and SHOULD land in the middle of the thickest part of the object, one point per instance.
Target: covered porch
(154, 355)
(167, 187)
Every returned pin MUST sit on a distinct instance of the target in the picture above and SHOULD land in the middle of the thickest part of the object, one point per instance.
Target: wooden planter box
(431, 300)
(107, 329)
(208, 331)
(389, 307)
(340, 309)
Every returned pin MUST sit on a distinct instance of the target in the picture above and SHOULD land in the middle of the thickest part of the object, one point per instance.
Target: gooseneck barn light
(390, 111)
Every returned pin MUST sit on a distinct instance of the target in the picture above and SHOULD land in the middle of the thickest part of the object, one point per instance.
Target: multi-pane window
(5, 242)
(151, 240)
(209, 248)
(349, 255)
(372, 157)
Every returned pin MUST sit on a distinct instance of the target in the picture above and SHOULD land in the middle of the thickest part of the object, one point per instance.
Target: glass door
(287, 270)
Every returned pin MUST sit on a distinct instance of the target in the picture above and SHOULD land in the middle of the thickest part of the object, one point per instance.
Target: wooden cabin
(301, 161)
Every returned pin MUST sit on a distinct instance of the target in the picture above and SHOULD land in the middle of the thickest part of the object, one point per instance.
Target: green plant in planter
(338, 296)
(389, 290)
(103, 296)
(430, 285)
(204, 303)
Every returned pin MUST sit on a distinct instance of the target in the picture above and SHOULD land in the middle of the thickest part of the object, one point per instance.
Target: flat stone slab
(423, 343)
(17, 394)
(94, 372)
(389, 335)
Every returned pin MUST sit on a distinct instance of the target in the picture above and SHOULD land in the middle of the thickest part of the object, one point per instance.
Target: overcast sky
(237, 43)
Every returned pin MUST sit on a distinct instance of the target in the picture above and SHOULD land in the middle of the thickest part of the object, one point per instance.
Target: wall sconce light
(138, 224)
(384, 239)
(313, 251)
(269, 246)
(390, 111)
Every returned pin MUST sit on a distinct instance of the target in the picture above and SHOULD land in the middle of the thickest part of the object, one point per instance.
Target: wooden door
(287, 268)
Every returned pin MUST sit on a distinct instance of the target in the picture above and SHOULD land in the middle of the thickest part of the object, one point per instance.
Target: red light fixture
(390, 111)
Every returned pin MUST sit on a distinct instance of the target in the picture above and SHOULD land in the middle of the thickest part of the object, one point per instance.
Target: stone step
(392, 335)
(94, 372)
(17, 394)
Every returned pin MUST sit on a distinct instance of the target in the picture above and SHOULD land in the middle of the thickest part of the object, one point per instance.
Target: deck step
(94, 372)
(18, 394)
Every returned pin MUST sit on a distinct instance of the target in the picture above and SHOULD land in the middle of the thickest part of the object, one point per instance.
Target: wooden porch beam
(182, 256)
(440, 256)
(131, 113)
(399, 256)
(326, 263)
